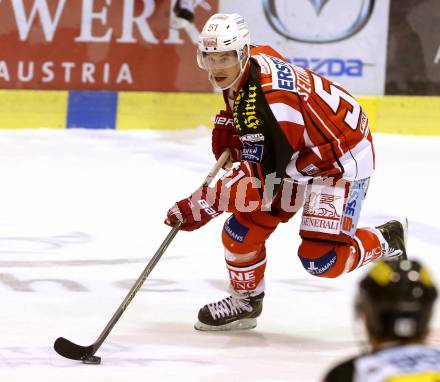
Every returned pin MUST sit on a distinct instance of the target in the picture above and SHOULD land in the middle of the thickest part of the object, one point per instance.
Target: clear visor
(217, 60)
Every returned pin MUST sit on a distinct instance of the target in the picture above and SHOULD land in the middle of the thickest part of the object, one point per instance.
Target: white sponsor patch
(252, 138)
(323, 209)
(209, 42)
(283, 76)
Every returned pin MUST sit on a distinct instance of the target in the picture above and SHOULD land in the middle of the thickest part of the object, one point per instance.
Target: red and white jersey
(298, 124)
(324, 124)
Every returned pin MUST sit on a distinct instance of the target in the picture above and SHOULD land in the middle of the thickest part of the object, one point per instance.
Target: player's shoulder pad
(275, 72)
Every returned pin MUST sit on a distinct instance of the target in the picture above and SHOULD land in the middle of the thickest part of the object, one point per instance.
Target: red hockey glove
(195, 211)
(225, 137)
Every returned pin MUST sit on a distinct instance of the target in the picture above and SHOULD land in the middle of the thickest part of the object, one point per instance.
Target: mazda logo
(271, 13)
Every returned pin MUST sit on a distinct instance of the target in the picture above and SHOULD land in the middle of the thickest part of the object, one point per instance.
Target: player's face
(223, 66)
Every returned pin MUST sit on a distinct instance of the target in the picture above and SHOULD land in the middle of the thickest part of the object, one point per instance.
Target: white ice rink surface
(81, 214)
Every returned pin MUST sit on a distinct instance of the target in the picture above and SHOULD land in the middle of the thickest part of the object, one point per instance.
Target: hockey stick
(222, 160)
(70, 350)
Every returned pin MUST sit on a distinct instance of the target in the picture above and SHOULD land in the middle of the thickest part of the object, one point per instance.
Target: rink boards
(170, 111)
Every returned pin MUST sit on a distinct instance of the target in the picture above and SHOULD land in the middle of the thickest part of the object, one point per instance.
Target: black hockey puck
(92, 360)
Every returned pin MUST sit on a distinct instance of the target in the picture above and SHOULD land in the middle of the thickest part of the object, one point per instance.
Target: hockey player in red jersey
(297, 140)
(395, 302)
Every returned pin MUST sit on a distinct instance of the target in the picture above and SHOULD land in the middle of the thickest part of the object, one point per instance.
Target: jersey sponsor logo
(303, 82)
(252, 138)
(323, 209)
(318, 224)
(249, 114)
(331, 67)
(322, 205)
(242, 280)
(353, 205)
(320, 265)
(252, 153)
(283, 77)
(235, 230)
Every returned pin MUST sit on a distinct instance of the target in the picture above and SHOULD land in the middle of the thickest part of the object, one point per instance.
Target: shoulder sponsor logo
(283, 77)
(303, 82)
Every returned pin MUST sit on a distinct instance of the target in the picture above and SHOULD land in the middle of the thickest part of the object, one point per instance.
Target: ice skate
(395, 233)
(236, 312)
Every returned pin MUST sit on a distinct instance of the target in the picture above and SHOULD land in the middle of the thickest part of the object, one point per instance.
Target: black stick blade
(70, 350)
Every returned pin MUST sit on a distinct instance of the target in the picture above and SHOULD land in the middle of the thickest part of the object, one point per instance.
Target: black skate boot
(394, 232)
(236, 312)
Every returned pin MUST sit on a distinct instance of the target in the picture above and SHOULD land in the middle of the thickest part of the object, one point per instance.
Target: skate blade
(405, 230)
(244, 324)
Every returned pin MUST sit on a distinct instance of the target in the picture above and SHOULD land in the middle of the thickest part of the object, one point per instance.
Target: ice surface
(80, 215)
